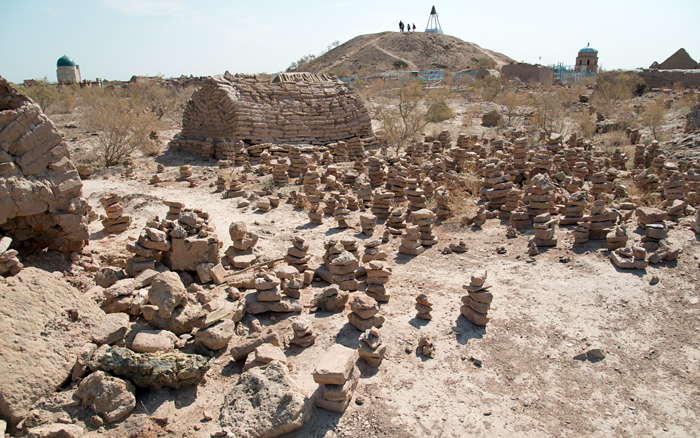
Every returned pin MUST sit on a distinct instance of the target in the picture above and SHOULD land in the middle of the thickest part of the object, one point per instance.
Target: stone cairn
(186, 175)
(342, 264)
(425, 220)
(304, 334)
(235, 189)
(297, 254)
(240, 254)
(315, 213)
(617, 238)
(337, 374)
(545, 227)
(371, 349)
(9, 263)
(368, 222)
(341, 213)
(630, 258)
(442, 199)
(147, 249)
(475, 305)
(411, 242)
(396, 222)
(575, 208)
(423, 307)
(381, 203)
(601, 220)
(695, 225)
(365, 312)
(116, 220)
(373, 252)
(378, 275)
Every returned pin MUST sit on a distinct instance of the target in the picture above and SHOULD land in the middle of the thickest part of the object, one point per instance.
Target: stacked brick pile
(337, 375)
(116, 221)
(316, 111)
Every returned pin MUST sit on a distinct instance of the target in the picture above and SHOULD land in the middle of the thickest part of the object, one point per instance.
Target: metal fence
(427, 78)
(568, 74)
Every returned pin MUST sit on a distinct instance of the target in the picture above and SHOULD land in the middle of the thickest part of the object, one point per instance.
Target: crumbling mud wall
(315, 110)
(41, 201)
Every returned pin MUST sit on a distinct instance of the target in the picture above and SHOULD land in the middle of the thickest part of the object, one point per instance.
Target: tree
(123, 125)
(614, 86)
(42, 93)
(401, 122)
(654, 115)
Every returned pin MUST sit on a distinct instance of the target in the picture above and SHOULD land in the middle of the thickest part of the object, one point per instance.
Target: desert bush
(512, 102)
(485, 62)
(585, 123)
(654, 114)
(401, 122)
(301, 63)
(438, 112)
(123, 125)
(549, 112)
(491, 87)
(42, 93)
(614, 86)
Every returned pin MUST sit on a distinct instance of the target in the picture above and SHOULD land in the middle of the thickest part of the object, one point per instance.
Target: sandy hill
(367, 55)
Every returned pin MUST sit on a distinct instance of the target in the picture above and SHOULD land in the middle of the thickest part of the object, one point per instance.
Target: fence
(428, 78)
(567, 74)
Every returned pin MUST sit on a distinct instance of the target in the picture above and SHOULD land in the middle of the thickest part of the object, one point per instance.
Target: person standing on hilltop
(401, 25)
(414, 27)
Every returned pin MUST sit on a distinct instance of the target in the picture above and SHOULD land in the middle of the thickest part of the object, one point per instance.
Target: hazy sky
(115, 39)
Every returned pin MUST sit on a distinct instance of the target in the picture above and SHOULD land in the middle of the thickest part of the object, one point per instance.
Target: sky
(115, 39)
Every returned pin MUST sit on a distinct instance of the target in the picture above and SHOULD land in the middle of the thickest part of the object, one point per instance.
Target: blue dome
(65, 61)
(588, 50)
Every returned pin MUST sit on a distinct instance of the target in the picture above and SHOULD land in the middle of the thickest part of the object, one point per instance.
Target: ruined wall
(668, 78)
(41, 201)
(230, 108)
(528, 73)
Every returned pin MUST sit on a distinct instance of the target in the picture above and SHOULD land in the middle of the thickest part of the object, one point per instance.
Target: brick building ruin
(41, 201)
(296, 108)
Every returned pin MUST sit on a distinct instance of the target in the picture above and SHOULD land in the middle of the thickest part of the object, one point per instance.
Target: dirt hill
(367, 55)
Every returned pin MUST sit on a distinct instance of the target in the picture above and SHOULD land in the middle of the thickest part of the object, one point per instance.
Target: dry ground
(544, 313)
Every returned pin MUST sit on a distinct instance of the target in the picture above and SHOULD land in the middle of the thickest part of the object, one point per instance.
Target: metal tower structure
(433, 23)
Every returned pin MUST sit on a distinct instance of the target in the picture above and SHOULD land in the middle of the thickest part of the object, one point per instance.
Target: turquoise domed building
(67, 71)
(587, 60)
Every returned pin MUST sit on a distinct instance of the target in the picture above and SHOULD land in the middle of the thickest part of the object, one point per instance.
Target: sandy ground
(544, 313)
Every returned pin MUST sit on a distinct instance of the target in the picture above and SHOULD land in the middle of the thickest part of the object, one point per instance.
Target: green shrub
(438, 112)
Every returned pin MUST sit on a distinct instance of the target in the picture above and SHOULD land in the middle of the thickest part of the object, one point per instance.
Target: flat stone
(335, 366)
(112, 328)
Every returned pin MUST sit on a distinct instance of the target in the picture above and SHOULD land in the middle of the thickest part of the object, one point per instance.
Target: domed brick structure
(587, 60)
(41, 203)
(295, 108)
(67, 71)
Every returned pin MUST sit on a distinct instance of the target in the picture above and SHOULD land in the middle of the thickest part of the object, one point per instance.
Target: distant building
(587, 60)
(67, 71)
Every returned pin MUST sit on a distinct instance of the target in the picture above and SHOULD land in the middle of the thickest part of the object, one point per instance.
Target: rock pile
(297, 254)
(545, 227)
(397, 220)
(364, 313)
(476, 304)
(41, 201)
(373, 252)
(9, 263)
(269, 296)
(341, 261)
(371, 348)
(601, 220)
(423, 307)
(617, 238)
(377, 277)
(630, 258)
(425, 220)
(411, 242)
(116, 221)
(337, 374)
(304, 334)
(367, 223)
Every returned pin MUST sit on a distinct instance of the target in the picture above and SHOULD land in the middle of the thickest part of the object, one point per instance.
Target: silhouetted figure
(414, 27)
(401, 25)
